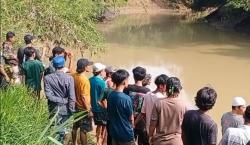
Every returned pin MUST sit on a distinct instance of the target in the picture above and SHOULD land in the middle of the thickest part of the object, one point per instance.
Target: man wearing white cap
(235, 117)
(97, 88)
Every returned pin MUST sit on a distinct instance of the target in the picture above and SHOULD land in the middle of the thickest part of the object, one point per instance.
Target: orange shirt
(82, 90)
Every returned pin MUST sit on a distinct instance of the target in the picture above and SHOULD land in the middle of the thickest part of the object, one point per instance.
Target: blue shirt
(119, 111)
(97, 88)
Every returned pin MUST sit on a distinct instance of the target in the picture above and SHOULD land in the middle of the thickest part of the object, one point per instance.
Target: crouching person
(60, 92)
(120, 111)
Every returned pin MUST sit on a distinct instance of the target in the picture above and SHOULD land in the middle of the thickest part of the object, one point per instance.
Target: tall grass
(26, 122)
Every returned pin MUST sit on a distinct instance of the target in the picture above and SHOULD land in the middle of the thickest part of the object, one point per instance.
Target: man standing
(150, 98)
(33, 71)
(198, 128)
(235, 117)
(28, 39)
(97, 88)
(137, 92)
(240, 135)
(167, 116)
(11, 61)
(82, 90)
(120, 111)
(60, 92)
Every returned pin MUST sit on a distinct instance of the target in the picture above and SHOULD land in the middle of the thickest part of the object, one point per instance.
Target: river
(198, 54)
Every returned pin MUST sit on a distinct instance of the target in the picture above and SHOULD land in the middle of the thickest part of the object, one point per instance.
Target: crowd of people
(124, 114)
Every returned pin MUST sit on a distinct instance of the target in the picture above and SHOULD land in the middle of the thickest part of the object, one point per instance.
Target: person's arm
(4, 74)
(213, 133)
(72, 96)
(49, 92)
(153, 122)
(83, 95)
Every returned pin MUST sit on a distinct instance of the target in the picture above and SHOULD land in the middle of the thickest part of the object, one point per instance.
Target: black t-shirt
(199, 129)
(21, 55)
(136, 93)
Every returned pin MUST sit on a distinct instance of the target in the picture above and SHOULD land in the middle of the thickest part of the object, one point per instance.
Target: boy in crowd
(59, 51)
(198, 128)
(150, 98)
(33, 71)
(82, 91)
(60, 91)
(97, 88)
(11, 61)
(28, 39)
(120, 111)
(167, 116)
(137, 92)
(240, 135)
(235, 117)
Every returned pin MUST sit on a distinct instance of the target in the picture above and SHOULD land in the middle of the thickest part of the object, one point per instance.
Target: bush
(22, 119)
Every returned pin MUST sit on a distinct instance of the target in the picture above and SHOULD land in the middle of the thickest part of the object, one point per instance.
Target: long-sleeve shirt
(60, 92)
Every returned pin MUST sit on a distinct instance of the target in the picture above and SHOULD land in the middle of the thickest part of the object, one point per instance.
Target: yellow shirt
(82, 90)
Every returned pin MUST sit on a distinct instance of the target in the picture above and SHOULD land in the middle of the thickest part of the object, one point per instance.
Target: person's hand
(90, 114)
(69, 55)
(151, 140)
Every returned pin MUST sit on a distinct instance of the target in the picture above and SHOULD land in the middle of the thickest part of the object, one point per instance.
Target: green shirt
(33, 70)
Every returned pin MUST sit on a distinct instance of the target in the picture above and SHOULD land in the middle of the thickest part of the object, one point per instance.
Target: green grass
(26, 122)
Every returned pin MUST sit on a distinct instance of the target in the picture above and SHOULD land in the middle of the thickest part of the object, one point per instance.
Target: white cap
(238, 101)
(98, 67)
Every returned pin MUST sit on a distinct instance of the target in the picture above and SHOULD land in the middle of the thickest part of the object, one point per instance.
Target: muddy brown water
(197, 53)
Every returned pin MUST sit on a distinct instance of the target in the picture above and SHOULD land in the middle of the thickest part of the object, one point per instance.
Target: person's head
(147, 80)
(58, 51)
(205, 98)
(238, 105)
(28, 39)
(58, 62)
(139, 73)
(30, 52)
(161, 82)
(120, 77)
(173, 87)
(83, 65)
(10, 36)
(109, 71)
(99, 70)
(247, 114)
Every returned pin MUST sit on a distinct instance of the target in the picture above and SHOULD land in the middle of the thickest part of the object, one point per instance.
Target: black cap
(82, 63)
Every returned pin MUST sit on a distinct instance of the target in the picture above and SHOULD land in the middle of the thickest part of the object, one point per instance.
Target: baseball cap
(238, 101)
(58, 62)
(98, 67)
(82, 63)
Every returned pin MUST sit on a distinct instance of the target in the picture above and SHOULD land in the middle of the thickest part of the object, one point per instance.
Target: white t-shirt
(148, 103)
(236, 136)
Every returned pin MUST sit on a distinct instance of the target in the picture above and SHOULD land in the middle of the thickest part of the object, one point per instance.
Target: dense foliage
(69, 22)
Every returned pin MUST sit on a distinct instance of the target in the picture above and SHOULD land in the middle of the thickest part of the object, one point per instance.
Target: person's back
(33, 73)
(119, 111)
(97, 87)
(82, 90)
(169, 114)
(236, 136)
(231, 120)
(198, 128)
(57, 90)
(148, 103)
